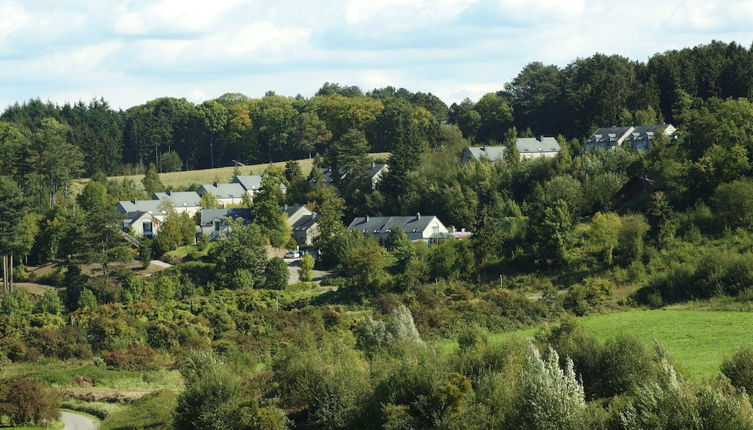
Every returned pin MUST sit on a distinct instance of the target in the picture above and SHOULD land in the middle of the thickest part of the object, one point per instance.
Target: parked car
(294, 254)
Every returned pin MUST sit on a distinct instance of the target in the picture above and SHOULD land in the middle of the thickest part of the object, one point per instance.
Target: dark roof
(293, 209)
(209, 215)
(379, 224)
(305, 222)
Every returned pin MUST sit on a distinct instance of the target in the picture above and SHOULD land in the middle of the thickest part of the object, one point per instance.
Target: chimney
(168, 192)
(540, 138)
(215, 184)
(367, 218)
(418, 215)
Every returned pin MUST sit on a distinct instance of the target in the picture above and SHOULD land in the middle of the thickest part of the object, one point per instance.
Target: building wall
(532, 155)
(137, 226)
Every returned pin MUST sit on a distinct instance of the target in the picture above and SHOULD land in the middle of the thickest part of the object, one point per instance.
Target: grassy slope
(698, 340)
(178, 180)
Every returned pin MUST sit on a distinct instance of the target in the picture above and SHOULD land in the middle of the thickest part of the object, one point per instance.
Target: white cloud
(132, 50)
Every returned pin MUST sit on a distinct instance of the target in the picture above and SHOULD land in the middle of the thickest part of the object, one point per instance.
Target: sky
(132, 51)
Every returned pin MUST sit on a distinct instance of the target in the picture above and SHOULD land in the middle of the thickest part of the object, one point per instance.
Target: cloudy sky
(132, 51)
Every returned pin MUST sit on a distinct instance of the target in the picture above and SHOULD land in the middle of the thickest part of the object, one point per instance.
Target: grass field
(179, 180)
(697, 339)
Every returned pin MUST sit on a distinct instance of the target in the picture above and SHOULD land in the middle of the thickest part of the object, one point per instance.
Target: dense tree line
(572, 101)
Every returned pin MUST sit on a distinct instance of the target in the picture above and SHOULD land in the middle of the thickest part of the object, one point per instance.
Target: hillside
(181, 179)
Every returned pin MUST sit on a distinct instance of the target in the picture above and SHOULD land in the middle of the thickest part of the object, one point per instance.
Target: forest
(488, 332)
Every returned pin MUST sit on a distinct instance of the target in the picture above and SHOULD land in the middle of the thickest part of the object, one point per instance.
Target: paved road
(294, 264)
(73, 421)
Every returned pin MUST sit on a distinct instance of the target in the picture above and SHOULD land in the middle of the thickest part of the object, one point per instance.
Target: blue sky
(131, 51)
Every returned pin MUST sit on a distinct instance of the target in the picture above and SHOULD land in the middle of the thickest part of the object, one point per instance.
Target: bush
(135, 357)
(26, 401)
(305, 271)
(589, 297)
(739, 369)
(276, 274)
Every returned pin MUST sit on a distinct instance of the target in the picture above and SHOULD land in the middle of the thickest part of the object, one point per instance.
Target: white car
(294, 254)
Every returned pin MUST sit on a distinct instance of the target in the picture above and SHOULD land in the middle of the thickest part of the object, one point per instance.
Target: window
(147, 227)
(216, 225)
(435, 230)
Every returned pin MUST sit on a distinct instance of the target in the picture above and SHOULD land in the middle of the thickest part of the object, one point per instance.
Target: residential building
(215, 223)
(637, 137)
(375, 174)
(142, 217)
(226, 194)
(303, 222)
(528, 148)
(182, 201)
(252, 184)
(416, 227)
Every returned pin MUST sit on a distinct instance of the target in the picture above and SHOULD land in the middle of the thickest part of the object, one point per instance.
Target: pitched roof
(132, 217)
(380, 224)
(179, 199)
(376, 168)
(209, 215)
(305, 222)
(155, 207)
(294, 209)
(223, 191)
(248, 182)
(493, 153)
(527, 145)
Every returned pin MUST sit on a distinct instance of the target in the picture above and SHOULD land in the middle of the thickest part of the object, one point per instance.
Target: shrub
(26, 401)
(305, 273)
(276, 274)
(550, 397)
(135, 357)
(739, 369)
(588, 297)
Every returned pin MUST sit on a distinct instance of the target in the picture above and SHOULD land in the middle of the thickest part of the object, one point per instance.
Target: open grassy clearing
(180, 180)
(697, 339)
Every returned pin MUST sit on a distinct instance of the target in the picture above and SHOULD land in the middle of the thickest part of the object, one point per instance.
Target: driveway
(295, 263)
(73, 421)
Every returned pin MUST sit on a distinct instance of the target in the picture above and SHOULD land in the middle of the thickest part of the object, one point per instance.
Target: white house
(142, 217)
(416, 227)
(183, 201)
(227, 194)
(528, 148)
(303, 222)
(637, 137)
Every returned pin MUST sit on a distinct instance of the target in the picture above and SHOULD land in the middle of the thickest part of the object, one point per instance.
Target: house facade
(375, 174)
(142, 217)
(215, 223)
(416, 227)
(304, 224)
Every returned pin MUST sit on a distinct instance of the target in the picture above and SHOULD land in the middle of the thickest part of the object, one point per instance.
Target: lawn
(180, 180)
(697, 339)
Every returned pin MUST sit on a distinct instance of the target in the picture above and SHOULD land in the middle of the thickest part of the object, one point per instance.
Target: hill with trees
(553, 240)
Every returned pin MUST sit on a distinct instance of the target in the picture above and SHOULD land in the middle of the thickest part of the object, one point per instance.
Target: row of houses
(636, 137)
(143, 217)
(375, 174)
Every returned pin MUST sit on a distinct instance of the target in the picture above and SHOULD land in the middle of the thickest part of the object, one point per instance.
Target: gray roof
(492, 153)
(380, 224)
(130, 217)
(305, 222)
(525, 145)
(152, 206)
(180, 199)
(209, 215)
(293, 209)
(248, 182)
(537, 144)
(223, 191)
(373, 171)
